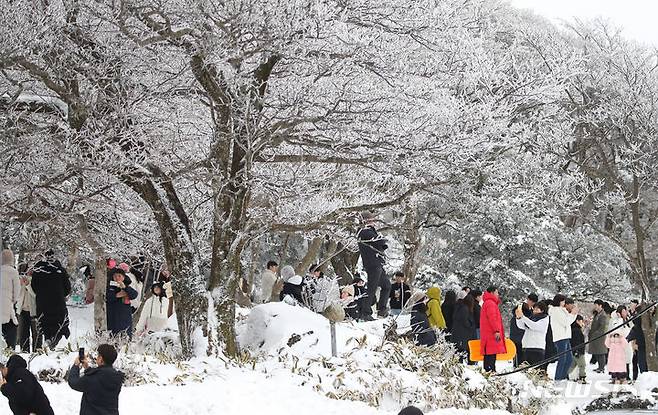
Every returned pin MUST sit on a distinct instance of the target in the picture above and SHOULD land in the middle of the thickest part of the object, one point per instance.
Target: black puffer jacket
(22, 389)
(100, 389)
(371, 247)
(424, 335)
(463, 327)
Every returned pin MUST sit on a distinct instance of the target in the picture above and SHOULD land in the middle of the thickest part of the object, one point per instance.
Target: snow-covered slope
(289, 369)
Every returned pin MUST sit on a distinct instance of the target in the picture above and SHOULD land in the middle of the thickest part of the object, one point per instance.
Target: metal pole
(332, 326)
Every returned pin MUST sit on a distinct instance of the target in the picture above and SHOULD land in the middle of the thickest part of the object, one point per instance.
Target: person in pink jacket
(617, 345)
(492, 332)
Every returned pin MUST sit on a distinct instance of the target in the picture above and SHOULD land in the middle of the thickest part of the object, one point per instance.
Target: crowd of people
(541, 330)
(33, 313)
(33, 299)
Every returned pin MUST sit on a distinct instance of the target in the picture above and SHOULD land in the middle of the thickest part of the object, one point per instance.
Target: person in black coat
(423, 334)
(293, 288)
(22, 389)
(640, 355)
(477, 308)
(463, 325)
(100, 386)
(448, 308)
(119, 312)
(51, 284)
(400, 293)
(578, 349)
(372, 247)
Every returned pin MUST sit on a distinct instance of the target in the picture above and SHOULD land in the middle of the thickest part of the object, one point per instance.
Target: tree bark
(100, 291)
(412, 244)
(311, 256)
(187, 282)
(649, 329)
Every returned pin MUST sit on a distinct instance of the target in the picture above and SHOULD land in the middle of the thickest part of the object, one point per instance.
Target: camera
(114, 284)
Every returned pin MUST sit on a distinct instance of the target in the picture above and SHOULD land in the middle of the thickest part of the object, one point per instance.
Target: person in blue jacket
(119, 294)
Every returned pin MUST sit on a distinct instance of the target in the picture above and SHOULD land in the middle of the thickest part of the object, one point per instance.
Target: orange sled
(476, 356)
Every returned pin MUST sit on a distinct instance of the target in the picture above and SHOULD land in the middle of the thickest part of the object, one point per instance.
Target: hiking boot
(367, 318)
(382, 313)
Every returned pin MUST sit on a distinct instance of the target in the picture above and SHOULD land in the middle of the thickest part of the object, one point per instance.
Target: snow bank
(294, 343)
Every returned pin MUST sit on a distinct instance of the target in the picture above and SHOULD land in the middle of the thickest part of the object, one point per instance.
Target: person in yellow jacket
(434, 313)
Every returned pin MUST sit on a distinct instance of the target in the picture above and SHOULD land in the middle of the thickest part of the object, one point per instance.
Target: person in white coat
(26, 308)
(268, 278)
(562, 315)
(155, 312)
(534, 335)
(10, 290)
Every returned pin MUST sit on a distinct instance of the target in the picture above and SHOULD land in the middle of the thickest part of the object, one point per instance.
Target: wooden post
(332, 326)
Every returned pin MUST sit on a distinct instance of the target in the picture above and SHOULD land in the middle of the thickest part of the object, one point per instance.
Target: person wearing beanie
(119, 311)
(154, 314)
(51, 285)
(10, 291)
(287, 272)
(22, 389)
(292, 286)
(100, 386)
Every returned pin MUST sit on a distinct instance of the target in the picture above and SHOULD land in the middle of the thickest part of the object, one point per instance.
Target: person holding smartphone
(101, 385)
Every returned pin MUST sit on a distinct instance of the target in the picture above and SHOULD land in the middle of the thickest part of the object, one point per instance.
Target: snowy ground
(285, 379)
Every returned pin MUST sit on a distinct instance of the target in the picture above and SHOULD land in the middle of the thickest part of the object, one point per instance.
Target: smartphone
(81, 354)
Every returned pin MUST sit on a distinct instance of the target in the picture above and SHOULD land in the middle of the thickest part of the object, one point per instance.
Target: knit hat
(295, 280)
(162, 290)
(411, 410)
(111, 263)
(124, 266)
(7, 257)
(287, 272)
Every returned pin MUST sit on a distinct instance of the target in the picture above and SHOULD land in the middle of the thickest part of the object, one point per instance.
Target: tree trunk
(176, 235)
(311, 256)
(100, 291)
(344, 263)
(412, 244)
(641, 276)
(649, 326)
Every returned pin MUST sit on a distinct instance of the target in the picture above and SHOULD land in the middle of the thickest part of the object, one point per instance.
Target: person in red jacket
(492, 332)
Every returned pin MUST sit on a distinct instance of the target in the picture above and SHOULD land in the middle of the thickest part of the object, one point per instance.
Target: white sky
(638, 18)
